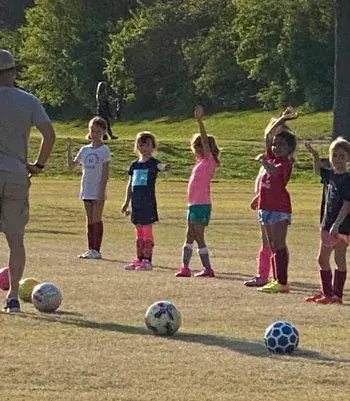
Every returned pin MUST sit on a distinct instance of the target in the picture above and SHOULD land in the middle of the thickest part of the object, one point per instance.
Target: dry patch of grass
(97, 347)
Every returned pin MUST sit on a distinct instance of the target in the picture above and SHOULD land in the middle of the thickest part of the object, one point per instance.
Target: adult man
(19, 111)
(105, 108)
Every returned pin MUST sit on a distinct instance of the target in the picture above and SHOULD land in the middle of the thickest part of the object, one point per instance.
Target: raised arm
(316, 157)
(270, 130)
(70, 161)
(198, 115)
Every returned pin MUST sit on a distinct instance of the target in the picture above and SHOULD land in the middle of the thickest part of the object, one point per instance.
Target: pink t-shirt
(199, 185)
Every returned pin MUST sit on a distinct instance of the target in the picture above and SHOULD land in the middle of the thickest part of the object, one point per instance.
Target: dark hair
(100, 122)
(289, 137)
(143, 137)
(214, 150)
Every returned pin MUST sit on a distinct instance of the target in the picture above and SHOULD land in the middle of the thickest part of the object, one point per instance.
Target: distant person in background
(335, 224)
(19, 111)
(94, 159)
(207, 154)
(105, 108)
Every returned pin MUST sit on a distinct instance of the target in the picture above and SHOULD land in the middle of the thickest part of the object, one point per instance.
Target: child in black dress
(141, 192)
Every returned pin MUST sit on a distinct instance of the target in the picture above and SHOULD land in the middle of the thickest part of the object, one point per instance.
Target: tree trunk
(341, 107)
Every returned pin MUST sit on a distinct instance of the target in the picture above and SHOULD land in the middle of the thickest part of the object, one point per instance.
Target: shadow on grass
(244, 346)
(41, 231)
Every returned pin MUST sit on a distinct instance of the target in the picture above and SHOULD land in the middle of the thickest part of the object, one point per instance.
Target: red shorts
(330, 240)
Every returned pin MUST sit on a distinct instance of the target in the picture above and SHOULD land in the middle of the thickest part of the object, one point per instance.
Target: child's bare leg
(203, 251)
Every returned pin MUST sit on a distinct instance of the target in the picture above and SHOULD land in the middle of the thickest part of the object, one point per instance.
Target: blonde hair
(143, 137)
(340, 142)
(100, 122)
(214, 149)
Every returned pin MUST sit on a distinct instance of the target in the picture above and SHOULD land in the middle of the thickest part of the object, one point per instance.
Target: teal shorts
(199, 214)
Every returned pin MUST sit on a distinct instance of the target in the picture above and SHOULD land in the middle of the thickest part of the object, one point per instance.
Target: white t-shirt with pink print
(199, 185)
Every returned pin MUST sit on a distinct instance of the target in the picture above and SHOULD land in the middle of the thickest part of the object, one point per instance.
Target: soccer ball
(281, 337)
(4, 279)
(162, 318)
(46, 297)
(26, 287)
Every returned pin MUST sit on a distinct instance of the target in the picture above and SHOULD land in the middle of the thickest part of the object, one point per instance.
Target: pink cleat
(134, 263)
(145, 265)
(183, 272)
(205, 273)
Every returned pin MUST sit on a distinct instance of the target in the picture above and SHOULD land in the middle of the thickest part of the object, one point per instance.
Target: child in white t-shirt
(94, 159)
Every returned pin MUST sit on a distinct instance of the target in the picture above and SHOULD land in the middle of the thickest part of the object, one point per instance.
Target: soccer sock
(139, 242)
(339, 281)
(148, 244)
(281, 261)
(90, 235)
(273, 266)
(204, 255)
(187, 252)
(326, 282)
(264, 262)
(98, 235)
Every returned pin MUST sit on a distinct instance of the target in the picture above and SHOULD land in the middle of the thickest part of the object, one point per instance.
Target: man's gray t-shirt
(19, 111)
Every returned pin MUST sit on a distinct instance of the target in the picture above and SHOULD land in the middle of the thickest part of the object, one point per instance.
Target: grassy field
(96, 346)
(239, 135)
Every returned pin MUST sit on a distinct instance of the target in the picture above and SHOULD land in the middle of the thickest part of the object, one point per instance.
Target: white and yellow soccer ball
(46, 297)
(163, 318)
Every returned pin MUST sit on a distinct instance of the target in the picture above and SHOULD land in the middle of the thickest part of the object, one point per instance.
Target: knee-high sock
(90, 235)
(187, 252)
(339, 281)
(281, 261)
(264, 262)
(98, 235)
(148, 244)
(326, 282)
(204, 255)
(139, 242)
(273, 266)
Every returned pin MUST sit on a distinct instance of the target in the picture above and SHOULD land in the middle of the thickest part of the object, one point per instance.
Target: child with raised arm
(94, 159)
(335, 224)
(274, 204)
(207, 160)
(265, 257)
(141, 192)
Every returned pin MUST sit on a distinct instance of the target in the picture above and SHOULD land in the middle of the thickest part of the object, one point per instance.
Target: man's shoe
(11, 305)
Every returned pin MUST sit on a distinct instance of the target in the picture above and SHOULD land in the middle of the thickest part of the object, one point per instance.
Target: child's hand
(260, 158)
(289, 114)
(68, 142)
(254, 203)
(125, 210)
(334, 231)
(310, 149)
(199, 112)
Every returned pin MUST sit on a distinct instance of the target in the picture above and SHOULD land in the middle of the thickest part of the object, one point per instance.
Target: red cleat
(205, 273)
(314, 298)
(183, 272)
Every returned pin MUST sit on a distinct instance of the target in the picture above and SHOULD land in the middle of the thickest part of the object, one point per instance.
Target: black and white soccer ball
(163, 318)
(281, 337)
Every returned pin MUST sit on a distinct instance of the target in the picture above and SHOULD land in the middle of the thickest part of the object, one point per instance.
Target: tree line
(169, 55)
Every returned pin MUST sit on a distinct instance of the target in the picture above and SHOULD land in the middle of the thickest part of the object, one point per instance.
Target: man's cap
(6, 60)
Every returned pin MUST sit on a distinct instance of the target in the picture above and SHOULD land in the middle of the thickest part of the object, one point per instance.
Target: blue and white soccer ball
(163, 318)
(281, 337)
(46, 297)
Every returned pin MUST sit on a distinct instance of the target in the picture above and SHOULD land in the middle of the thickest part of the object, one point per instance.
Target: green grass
(96, 347)
(239, 135)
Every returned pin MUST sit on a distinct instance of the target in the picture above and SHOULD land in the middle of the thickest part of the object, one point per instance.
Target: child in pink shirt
(207, 160)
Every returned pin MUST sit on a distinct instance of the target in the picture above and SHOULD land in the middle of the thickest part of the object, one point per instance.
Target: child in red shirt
(273, 200)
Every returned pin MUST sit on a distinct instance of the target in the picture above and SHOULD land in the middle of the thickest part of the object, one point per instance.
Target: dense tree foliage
(169, 54)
